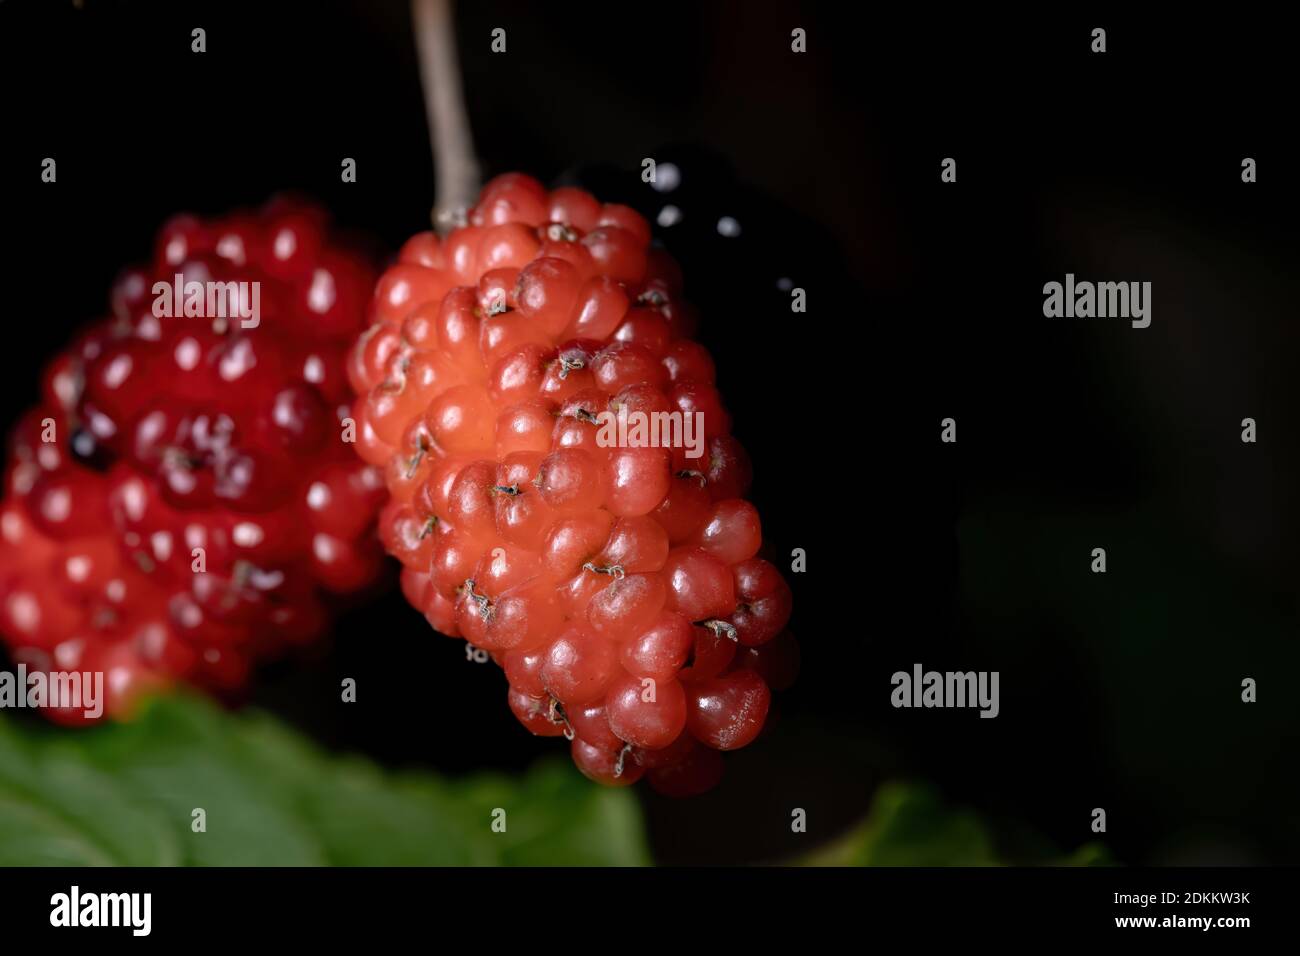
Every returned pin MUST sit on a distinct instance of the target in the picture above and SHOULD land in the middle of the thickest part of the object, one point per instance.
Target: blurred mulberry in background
(182, 502)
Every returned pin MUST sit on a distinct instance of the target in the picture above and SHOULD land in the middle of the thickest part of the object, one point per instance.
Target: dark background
(1119, 691)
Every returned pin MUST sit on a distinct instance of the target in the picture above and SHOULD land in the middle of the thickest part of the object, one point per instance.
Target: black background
(1118, 691)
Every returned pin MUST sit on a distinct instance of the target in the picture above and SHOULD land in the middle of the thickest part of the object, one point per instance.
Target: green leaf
(556, 819)
(124, 794)
(31, 836)
(909, 825)
(67, 812)
(247, 823)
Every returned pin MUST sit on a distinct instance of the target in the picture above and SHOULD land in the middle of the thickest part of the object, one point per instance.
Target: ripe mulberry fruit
(181, 502)
(612, 575)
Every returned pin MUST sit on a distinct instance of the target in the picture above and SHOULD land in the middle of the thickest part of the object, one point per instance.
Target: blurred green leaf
(563, 821)
(124, 794)
(58, 810)
(909, 825)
